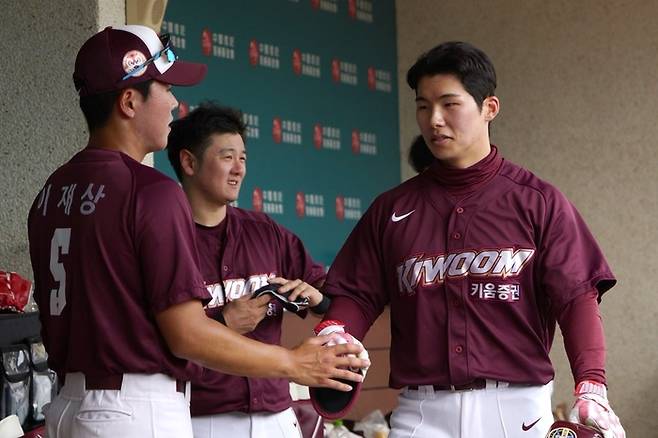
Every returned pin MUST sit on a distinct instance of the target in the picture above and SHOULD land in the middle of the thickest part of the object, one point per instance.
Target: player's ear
(490, 108)
(188, 162)
(126, 102)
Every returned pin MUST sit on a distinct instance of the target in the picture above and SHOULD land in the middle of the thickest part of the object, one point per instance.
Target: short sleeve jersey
(234, 263)
(473, 282)
(112, 245)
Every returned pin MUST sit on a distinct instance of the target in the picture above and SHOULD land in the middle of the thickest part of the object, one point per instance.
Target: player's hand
(335, 330)
(244, 314)
(315, 364)
(593, 409)
(298, 288)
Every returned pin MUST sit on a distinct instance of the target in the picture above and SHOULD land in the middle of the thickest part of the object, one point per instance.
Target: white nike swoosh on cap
(396, 218)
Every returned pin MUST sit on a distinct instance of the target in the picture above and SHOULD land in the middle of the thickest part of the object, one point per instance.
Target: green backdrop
(317, 82)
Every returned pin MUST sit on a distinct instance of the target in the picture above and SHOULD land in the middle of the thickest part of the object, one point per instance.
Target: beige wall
(40, 123)
(579, 98)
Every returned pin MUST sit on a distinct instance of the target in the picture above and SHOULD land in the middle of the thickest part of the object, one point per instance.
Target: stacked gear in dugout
(26, 383)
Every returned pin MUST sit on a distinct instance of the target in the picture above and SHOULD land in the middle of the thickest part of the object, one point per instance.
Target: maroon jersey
(112, 245)
(236, 258)
(473, 269)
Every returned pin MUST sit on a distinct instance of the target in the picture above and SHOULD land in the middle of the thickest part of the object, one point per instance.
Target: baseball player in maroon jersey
(115, 262)
(478, 260)
(240, 251)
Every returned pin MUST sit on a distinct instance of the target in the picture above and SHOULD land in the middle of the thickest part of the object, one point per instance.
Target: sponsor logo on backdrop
(340, 208)
(348, 208)
(276, 130)
(206, 42)
(309, 204)
(270, 201)
(364, 142)
(176, 33)
(361, 10)
(344, 72)
(264, 54)
(253, 52)
(372, 81)
(290, 131)
(317, 136)
(183, 109)
(356, 142)
(314, 203)
(219, 45)
(300, 206)
(304, 63)
(325, 5)
(257, 199)
(352, 208)
(251, 120)
(379, 80)
(335, 69)
(297, 61)
(326, 137)
(286, 131)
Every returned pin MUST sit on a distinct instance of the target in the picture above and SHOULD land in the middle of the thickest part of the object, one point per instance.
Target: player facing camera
(475, 298)
(241, 251)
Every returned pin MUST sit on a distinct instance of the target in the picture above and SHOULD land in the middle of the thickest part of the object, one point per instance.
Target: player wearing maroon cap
(115, 263)
(478, 259)
(240, 251)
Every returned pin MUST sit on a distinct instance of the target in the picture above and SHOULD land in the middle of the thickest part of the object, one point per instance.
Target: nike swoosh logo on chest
(396, 218)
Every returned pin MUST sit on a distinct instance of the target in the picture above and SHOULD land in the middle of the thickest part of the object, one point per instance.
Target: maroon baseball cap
(118, 57)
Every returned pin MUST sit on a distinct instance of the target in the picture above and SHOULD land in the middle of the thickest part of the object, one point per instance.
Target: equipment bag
(15, 382)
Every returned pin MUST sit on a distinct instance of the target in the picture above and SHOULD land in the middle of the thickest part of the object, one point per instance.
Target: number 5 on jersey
(59, 245)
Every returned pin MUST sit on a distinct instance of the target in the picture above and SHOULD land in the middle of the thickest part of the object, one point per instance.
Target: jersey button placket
(456, 287)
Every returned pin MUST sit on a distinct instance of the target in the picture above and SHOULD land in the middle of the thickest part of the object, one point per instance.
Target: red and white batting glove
(593, 409)
(336, 329)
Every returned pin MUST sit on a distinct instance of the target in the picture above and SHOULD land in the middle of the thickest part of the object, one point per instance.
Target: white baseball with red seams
(336, 329)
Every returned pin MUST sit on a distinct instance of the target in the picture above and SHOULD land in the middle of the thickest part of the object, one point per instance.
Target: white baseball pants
(240, 425)
(497, 411)
(146, 406)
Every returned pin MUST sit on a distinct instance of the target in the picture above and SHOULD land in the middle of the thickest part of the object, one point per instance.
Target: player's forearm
(584, 340)
(191, 335)
(218, 347)
(348, 311)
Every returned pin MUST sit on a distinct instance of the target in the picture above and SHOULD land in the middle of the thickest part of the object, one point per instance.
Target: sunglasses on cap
(167, 51)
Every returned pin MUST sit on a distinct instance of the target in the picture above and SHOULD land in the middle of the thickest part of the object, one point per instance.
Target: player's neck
(117, 138)
(475, 153)
(204, 211)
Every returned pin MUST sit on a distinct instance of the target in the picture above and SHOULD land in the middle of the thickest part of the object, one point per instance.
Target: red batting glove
(593, 409)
